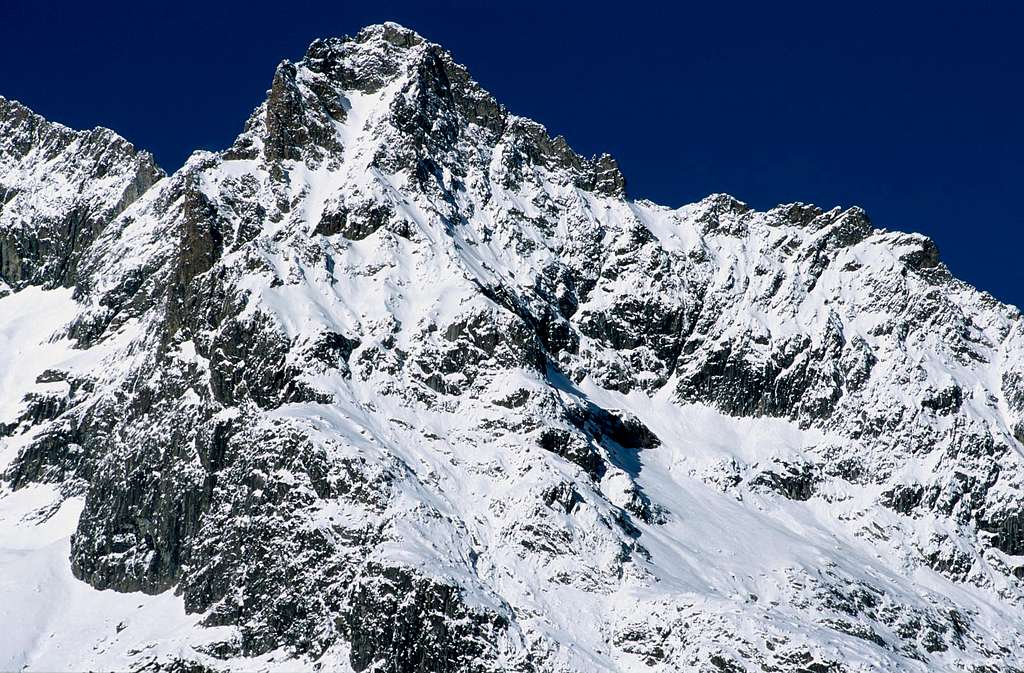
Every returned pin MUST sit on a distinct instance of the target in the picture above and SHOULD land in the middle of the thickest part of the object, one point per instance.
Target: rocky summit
(399, 382)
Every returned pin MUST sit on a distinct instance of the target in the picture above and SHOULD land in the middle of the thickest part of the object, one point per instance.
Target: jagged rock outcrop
(401, 382)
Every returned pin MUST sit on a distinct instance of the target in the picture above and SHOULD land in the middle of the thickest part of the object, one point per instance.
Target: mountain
(399, 382)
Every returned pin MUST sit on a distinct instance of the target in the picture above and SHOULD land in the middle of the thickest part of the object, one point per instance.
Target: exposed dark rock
(411, 624)
(355, 223)
(573, 447)
(946, 401)
(795, 481)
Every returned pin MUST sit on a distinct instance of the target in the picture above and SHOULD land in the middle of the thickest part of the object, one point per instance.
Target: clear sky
(914, 113)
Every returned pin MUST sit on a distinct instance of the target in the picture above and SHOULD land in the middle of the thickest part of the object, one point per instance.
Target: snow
(30, 341)
(54, 622)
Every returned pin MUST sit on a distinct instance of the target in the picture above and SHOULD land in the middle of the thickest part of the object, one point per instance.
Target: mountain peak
(393, 33)
(58, 189)
(411, 92)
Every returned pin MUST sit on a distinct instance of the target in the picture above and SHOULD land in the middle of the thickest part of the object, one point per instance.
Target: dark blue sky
(913, 113)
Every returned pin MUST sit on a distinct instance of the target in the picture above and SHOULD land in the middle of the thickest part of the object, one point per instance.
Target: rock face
(400, 382)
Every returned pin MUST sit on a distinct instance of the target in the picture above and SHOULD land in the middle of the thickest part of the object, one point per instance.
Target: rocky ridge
(58, 189)
(398, 380)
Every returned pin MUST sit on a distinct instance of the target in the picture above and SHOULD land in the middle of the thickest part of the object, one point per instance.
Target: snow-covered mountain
(398, 382)
(58, 189)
